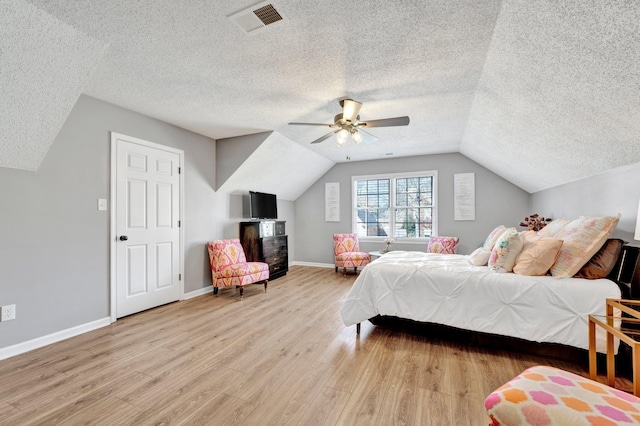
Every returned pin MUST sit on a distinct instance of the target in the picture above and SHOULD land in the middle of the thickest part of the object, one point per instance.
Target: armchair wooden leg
(215, 290)
(358, 328)
(241, 292)
(336, 269)
(344, 271)
(265, 285)
(355, 270)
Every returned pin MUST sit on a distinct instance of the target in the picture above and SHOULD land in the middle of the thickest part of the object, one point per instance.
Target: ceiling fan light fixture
(350, 110)
(356, 136)
(341, 137)
(348, 123)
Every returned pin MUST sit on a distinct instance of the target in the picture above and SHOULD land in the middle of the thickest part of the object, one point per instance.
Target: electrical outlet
(8, 313)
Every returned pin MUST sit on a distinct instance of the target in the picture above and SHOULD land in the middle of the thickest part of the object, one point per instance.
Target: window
(397, 205)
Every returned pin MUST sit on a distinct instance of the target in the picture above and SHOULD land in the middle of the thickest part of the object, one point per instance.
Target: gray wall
(497, 202)
(54, 243)
(232, 152)
(606, 194)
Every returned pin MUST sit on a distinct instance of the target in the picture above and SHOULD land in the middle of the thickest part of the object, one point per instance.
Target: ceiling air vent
(256, 17)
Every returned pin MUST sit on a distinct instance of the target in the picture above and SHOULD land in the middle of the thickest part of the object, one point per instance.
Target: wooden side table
(626, 328)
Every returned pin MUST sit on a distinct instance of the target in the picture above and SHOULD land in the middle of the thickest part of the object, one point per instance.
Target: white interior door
(147, 228)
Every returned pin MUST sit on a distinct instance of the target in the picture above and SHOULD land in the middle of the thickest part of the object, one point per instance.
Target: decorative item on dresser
(265, 241)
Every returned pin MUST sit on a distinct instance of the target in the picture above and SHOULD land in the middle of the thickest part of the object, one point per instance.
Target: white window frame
(392, 204)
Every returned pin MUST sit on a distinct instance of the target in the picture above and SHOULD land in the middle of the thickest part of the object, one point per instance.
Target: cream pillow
(506, 250)
(582, 237)
(479, 257)
(493, 237)
(553, 228)
(537, 256)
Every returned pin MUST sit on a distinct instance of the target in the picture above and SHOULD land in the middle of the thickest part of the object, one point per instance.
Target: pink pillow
(537, 255)
(446, 245)
(582, 237)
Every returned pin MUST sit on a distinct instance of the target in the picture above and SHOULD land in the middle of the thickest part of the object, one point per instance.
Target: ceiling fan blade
(327, 136)
(367, 137)
(386, 122)
(312, 124)
(351, 109)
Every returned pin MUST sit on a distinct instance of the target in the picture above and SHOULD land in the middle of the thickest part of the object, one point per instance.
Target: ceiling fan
(348, 124)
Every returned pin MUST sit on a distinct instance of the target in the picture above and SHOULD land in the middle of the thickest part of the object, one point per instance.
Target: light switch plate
(102, 204)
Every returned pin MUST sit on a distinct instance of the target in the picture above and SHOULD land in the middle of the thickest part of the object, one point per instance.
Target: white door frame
(112, 232)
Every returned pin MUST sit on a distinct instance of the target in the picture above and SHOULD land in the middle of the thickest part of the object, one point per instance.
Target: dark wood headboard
(627, 272)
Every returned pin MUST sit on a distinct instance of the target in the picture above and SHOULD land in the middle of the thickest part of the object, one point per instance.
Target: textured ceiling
(540, 92)
(559, 97)
(44, 66)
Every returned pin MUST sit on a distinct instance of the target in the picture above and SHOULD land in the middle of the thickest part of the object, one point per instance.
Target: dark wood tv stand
(266, 241)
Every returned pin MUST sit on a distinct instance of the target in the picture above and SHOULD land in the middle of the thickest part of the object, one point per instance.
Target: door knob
(123, 238)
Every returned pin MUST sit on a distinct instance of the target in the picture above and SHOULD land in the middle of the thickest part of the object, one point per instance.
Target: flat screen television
(262, 206)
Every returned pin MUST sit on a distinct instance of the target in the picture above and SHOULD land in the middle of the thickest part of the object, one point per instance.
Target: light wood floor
(280, 358)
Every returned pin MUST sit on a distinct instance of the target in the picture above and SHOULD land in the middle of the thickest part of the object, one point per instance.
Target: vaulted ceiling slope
(541, 92)
(559, 97)
(45, 64)
(267, 162)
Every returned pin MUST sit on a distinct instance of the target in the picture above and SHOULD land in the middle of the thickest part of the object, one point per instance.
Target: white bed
(445, 289)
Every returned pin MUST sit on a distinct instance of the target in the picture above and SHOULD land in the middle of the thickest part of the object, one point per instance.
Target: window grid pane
(373, 222)
(416, 192)
(412, 218)
(412, 211)
(373, 207)
(413, 223)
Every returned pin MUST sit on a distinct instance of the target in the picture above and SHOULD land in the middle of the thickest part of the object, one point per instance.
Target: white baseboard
(317, 265)
(199, 292)
(58, 336)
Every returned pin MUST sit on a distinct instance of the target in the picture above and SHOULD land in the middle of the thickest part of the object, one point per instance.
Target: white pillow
(506, 250)
(553, 228)
(490, 241)
(479, 257)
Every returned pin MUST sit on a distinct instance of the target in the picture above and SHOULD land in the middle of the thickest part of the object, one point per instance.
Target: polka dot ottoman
(542, 396)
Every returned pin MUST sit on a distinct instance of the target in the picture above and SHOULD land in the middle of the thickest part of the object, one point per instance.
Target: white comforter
(446, 289)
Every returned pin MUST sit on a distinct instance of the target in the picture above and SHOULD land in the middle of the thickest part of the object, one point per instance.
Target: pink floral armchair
(347, 253)
(229, 266)
(448, 245)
